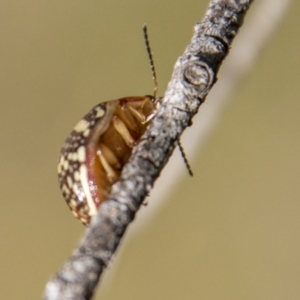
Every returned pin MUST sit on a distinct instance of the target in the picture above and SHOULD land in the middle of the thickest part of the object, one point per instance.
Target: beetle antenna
(185, 158)
(151, 61)
(156, 90)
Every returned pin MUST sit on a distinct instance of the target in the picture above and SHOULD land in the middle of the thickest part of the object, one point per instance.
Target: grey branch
(194, 75)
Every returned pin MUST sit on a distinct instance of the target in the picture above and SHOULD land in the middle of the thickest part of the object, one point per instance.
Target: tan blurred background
(231, 232)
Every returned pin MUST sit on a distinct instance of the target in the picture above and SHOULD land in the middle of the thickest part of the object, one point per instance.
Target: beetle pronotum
(100, 145)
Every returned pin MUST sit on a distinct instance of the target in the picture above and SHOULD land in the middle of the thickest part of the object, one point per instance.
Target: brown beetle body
(98, 147)
(94, 154)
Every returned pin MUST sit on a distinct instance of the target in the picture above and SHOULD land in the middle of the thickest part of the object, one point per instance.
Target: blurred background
(231, 232)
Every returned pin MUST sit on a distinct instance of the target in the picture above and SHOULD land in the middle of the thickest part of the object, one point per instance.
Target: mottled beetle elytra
(98, 147)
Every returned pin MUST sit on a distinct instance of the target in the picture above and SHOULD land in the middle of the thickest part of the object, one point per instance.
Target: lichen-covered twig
(263, 22)
(194, 75)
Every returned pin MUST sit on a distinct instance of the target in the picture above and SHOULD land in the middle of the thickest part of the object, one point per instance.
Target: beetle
(93, 156)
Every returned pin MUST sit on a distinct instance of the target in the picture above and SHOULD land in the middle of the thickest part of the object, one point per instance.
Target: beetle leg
(111, 174)
(123, 131)
(140, 116)
(149, 118)
(157, 105)
(110, 157)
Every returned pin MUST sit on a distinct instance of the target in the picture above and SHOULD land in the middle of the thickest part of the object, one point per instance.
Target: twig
(266, 16)
(193, 77)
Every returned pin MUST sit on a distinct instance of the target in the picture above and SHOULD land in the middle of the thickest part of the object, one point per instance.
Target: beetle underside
(94, 154)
